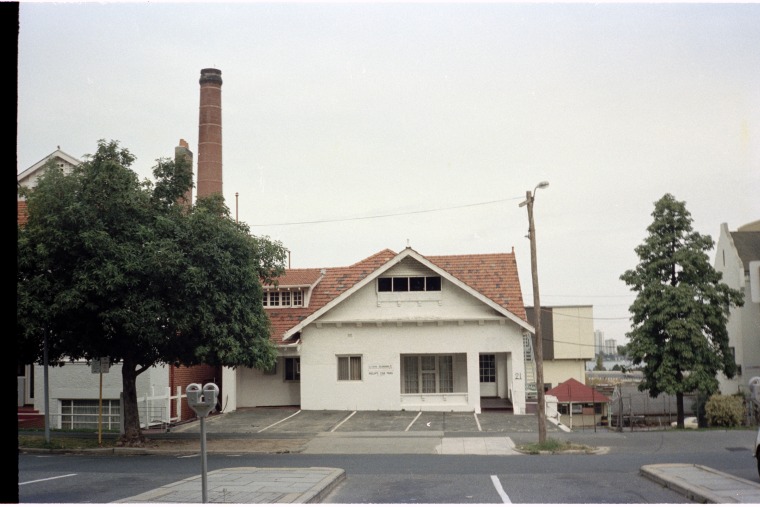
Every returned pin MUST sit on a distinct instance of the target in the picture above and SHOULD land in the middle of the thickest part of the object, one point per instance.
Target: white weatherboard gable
(407, 252)
(28, 177)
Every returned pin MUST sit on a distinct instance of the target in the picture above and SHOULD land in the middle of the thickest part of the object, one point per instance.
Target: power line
(386, 215)
(554, 312)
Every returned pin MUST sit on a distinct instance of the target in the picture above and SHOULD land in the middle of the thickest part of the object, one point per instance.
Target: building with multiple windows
(395, 331)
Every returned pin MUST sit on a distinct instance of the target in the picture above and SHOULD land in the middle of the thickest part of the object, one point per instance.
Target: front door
(488, 375)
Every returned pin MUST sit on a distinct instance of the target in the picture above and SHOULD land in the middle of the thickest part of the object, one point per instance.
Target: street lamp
(539, 349)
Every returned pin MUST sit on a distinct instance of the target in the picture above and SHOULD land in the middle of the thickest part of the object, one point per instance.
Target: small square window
(417, 283)
(433, 283)
(384, 285)
(401, 284)
(349, 367)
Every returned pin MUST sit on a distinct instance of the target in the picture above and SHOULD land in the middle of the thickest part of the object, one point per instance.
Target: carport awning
(572, 391)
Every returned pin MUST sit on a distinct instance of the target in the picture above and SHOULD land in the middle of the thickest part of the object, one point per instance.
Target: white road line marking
(48, 479)
(477, 421)
(344, 420)
(278, 422)
(413, 421)
(500, 490)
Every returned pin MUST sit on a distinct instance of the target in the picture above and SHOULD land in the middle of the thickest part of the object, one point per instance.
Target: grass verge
(59, 442)
(553, 446)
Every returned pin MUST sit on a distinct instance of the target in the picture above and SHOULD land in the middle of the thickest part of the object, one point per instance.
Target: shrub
(724, 410)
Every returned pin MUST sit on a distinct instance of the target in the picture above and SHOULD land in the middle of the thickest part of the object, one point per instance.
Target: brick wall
(182, 376)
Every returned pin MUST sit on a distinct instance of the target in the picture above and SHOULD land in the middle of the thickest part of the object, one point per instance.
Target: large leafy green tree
(112, 266)
(681, 308)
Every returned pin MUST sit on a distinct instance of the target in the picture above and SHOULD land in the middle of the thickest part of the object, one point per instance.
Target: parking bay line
(413, 421)
(344, 420)
(278, 422)
(500, 490)
(48, 479)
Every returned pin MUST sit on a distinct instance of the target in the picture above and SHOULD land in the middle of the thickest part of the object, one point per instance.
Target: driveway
(293, 421)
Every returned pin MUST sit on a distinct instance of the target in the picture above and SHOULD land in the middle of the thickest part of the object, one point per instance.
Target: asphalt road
(609, 478)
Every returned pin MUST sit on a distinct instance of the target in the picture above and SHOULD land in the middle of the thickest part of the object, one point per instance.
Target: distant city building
(598, 342)
(610, 347)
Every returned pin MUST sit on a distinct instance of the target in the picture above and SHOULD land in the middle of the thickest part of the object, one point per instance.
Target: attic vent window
(409, 284)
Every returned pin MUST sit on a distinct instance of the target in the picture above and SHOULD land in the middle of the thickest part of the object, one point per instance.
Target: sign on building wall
(380, 370)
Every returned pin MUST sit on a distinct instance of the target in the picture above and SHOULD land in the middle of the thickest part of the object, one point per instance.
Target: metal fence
(155, 411)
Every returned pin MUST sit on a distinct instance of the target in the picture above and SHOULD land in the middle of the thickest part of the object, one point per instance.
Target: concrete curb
(703, 484)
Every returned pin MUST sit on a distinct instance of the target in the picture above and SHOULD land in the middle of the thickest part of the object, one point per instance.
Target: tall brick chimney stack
(210, 134)
(182, 152)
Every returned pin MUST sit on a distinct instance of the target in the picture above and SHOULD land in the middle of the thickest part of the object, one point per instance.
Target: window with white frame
(349, 367)
(428, 374)
(283, 299)
(84, 414)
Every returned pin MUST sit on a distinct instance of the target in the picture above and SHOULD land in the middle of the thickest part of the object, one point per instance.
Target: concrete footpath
(246, 485)
(703, 484)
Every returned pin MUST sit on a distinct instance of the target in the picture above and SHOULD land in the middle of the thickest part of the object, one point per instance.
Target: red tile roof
(573, 391)
(299, 277)
(493, 275)
(334, 282)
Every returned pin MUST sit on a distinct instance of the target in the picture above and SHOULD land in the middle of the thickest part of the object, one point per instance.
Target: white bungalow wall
(381, 327)
(258, 389)
(75, 381)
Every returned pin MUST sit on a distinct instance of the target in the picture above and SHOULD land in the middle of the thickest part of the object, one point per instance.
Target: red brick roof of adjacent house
(492, 275)
(573, 391)
(299, 277)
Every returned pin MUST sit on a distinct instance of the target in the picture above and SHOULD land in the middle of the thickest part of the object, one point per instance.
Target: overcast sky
(353, 127)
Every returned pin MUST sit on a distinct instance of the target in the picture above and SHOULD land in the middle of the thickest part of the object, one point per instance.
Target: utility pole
(539, 349)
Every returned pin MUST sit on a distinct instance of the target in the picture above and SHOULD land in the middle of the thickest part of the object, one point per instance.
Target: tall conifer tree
(681, 308)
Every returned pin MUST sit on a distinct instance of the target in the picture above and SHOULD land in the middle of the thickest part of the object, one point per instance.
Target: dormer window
(283, 299)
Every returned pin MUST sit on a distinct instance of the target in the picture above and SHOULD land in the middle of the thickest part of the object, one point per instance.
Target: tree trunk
(679, 411)
(132, 436)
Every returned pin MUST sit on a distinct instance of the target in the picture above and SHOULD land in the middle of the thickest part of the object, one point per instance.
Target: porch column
(229, 394)
(473, 381)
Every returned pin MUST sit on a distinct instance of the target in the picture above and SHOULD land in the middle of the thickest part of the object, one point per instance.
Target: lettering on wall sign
(381, 370)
